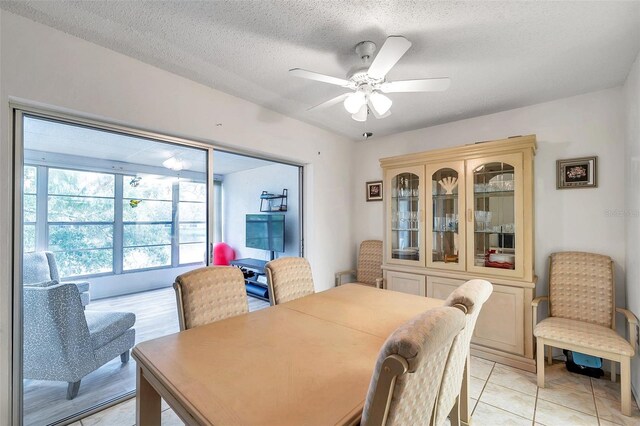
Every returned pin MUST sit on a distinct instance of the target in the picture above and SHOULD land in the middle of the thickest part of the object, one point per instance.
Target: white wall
(40, 64)
(570, 219)
(632, 210)
(242, 196)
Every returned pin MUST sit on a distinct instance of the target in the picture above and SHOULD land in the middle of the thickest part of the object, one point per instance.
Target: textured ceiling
(499, 55)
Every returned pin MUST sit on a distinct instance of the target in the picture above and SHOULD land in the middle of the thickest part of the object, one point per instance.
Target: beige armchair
(210, 294)
(453, 398)
(582, 316)
(369, 271)
(409, 369)
(289, 278)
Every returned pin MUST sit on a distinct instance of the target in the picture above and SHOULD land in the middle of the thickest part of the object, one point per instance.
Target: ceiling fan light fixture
(361, 115)
(380, 103)
(355, 101)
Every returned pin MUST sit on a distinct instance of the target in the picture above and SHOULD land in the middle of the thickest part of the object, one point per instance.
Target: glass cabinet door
(405, 216)
(445, 216)
(495, 215)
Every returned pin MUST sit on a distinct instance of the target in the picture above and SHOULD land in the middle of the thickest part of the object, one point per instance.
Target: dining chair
(582, 316)
(289, 278)
(369, 270)
(453, 400)
(409, 369)
(210, 294)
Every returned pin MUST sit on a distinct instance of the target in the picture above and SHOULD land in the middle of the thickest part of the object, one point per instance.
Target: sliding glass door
(108, 218)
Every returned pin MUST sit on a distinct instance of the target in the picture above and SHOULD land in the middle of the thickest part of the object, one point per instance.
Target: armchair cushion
(82, 285)
(36, 268)
(580, 333)
(105, 327)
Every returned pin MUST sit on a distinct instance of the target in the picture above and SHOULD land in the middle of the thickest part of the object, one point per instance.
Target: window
(147, 221)
(161, 220)
(192, 224)
(29, 208)
(80, 220)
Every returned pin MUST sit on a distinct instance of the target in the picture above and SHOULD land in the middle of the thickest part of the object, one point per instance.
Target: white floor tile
(169, 418)
(610, 410)
(481, 368)
(515, 379)
(550, 414)
(475, 387)
(509, 400)
(487, 415)
(565, 396)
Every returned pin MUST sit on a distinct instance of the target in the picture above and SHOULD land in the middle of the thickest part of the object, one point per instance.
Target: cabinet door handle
(469, 215)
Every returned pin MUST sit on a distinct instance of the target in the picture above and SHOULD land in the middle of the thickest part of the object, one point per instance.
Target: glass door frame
(458, 166)
(19, 111)
(389, 175)
(515, 160)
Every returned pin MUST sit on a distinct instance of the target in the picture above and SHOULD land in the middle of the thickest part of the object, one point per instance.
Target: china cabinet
(462, 213)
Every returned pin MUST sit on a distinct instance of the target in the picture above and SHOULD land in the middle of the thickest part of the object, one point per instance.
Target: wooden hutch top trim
(476, 149)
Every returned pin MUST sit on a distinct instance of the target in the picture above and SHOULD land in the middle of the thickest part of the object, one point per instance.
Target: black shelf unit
(268, 198)
(254, 288)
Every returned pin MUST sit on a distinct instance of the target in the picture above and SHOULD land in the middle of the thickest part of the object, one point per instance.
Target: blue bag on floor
(587, 360)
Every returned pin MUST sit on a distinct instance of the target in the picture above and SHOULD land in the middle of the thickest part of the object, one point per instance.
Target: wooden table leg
(147, 401)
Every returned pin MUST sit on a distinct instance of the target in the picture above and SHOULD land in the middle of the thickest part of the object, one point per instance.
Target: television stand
(255, 288)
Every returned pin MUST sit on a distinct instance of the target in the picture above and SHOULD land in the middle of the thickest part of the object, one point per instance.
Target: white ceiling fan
(368, 82)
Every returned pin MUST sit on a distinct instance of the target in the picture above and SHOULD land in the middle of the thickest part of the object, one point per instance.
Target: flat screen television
(265, 232)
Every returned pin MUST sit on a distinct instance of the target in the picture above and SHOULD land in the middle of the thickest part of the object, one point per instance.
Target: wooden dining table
(308, 361)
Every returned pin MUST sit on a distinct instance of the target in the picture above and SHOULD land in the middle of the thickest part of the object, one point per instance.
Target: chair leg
(613, 371)
(549, 355)
(454, 414)
(124, 357)
(625, 385)
(540, 362)
(72, 389)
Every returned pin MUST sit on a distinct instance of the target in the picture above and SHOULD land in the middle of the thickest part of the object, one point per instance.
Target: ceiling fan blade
(422, 85)
(390, 53)
(375, 113)
(330, 102)
(299, 72)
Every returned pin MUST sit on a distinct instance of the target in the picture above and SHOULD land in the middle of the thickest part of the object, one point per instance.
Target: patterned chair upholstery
(369, 271)
(289, 278)
(409, 369)
(469, 297)
(41, 268)
(63, 342)
(210, 294)
(582, 316)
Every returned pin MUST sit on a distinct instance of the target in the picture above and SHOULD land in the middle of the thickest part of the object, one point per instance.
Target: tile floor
(500, 395)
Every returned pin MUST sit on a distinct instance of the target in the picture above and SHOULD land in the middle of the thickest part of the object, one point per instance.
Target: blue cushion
(106, 326)
(82, 285)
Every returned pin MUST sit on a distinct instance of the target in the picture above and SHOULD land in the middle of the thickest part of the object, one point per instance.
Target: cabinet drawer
(405, 283)
(500, 324)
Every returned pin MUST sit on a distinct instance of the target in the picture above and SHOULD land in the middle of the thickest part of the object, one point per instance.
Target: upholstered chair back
(210, 294)
(581, 287)
(409, 369)
(38, 267)
(56, 335)
(289, 278)
(469, 298)
(369, 262)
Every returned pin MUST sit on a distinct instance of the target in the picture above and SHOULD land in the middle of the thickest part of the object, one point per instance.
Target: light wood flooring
(156, 315)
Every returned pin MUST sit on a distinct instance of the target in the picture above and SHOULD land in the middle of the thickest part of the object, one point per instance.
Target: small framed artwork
(374, 190)
(577, 173)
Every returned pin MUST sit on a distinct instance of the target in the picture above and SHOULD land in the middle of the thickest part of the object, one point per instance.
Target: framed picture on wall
(374, 190)
(577, 173)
